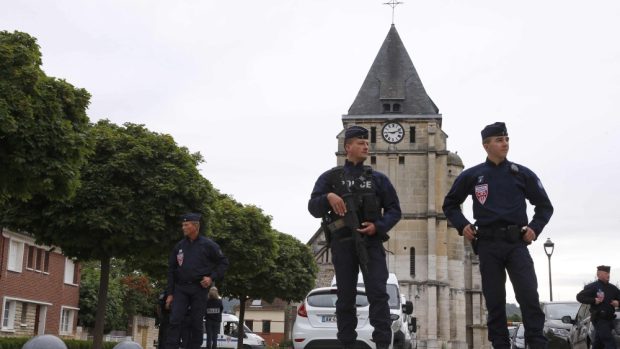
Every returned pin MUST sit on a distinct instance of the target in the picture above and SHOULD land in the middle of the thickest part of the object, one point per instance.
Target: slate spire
(392, 84)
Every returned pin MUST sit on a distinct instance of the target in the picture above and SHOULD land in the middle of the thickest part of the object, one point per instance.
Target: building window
(373, 160)
(387, 108)
(66, 321)
(8, 315)
(24, 317)
(31, 254)
(16, 256)
(266, 326)
(39, 261)
(401, 160)
(412, 134)
(396, 108)
(249, 324)
(46, 262)
(373, 135)
(412, 261)
(69, 272)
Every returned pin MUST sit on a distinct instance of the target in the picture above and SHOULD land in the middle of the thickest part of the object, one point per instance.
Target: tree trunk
(102, 301)
(241, 322)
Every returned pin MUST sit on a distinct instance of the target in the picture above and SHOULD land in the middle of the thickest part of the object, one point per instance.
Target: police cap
(190, 217)
(494, 130)
(356, 132)
(605, 268)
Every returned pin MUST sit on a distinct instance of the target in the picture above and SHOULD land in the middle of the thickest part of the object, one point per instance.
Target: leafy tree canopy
(43, 125)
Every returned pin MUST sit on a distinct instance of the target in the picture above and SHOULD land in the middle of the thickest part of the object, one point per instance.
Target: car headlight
(560, 332)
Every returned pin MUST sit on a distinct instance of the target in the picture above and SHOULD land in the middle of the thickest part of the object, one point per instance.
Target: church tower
(436, 270)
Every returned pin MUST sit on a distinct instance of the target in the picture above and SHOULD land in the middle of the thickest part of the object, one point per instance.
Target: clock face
(393, 132)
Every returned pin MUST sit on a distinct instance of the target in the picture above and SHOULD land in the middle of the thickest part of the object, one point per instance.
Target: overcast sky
(259, 88)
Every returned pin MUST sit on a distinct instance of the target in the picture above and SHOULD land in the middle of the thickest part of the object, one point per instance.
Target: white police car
(229, 329)
(315, 325)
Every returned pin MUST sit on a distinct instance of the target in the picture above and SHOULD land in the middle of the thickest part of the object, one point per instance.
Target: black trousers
(346, 265)
(603, 339)
(497, 257)
(213, 330)
(194, 297)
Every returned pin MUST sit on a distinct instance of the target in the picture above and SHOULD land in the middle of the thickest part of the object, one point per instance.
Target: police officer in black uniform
(502, 233)
(603, 298)
(194, 264)
(369, 192)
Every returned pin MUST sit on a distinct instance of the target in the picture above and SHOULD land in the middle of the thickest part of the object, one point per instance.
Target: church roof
(392, 78)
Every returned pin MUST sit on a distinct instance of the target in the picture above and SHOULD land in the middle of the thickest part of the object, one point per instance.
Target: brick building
(39, 288)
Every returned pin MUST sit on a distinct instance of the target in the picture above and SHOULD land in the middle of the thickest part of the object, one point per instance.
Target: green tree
(295, 270)
(43, 125)
(133, 188)
(115, 316)
(244, 233)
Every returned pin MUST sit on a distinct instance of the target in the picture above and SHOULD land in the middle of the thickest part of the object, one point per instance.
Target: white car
(404, 326)
(229, 330)
(315, 325)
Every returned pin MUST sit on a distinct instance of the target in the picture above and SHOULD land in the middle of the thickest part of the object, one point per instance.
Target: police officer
(213, 317)
(603, 298)
(502, 233)
(194, 264)
(373, 192)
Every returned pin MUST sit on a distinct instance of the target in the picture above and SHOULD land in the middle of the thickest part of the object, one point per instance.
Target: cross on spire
(393, 4)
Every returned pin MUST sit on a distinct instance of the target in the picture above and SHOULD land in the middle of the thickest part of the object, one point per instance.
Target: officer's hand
(529, 235)
(168, 301)
(615, 303)
(598, 300)
(206, 281)
(369, 229)
(469, 232)
(337, 204)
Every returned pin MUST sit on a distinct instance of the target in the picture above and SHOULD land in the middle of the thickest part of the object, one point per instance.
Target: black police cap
(191, 217)
(356, 132)
(494, 130)
(605, 268)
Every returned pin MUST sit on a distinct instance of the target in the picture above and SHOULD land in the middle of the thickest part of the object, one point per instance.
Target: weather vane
(393, 4)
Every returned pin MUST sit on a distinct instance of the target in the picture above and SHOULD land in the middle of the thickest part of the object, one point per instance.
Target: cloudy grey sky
(259, 87)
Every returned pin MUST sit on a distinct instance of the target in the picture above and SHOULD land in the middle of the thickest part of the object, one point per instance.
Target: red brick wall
(39, 286)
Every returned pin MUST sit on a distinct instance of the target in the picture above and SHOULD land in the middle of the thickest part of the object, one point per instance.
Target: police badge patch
(180, 257)
(482, 192)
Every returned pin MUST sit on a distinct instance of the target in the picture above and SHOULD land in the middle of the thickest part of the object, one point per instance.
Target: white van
(228, 335)
(404, 327)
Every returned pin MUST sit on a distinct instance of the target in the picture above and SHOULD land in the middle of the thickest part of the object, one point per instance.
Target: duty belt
(510, 233)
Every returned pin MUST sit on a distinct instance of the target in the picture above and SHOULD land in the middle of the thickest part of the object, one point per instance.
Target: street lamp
(549, 246)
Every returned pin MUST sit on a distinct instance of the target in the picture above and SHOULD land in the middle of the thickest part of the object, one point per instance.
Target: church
(436, 270)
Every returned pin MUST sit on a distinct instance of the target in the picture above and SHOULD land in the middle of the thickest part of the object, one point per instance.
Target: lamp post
(549, 246)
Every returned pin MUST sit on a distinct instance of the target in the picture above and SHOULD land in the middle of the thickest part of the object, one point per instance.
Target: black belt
(509, 233)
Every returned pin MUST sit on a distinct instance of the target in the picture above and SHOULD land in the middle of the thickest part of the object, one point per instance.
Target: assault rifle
(352, 221)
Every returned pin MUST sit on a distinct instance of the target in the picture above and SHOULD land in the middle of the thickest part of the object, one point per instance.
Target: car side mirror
(413, 325)
(408, 308)
(567, 320)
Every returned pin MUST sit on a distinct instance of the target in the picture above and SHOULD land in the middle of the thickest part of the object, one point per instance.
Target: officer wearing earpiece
(356, 193)
(194, 264)
(502, 233)
(603, 298)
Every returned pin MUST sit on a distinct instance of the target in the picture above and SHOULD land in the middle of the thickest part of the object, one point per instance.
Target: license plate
(328, 318)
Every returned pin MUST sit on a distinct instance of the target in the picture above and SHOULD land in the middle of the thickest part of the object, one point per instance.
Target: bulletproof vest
(363, 189)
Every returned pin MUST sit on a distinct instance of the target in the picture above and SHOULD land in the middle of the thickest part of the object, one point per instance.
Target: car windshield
(328, 299)
(555, 311)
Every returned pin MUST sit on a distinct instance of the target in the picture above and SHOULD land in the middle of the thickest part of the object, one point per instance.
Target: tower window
(412, 261)
(396, 107)
(412, 134)
(373, 160)
(387, 108)
(373, 135)
(401, 160)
